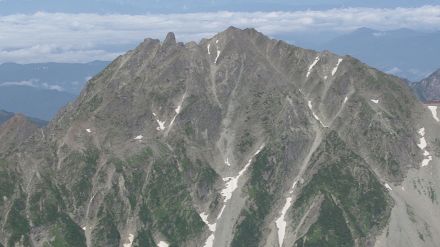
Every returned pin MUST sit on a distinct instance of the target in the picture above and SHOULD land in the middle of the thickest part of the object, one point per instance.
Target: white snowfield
(422, 145)
(281, 222)
(346, 99)
(335, 69)
(130, 240)
(89, 130)
(212, 227)
(433, 110)
(314, 115)
(375, 101)
(209, 49)
(177, 110)
(160, 123)
(311, 66)
(230, 187)
(232, 182)
(139, 137)
(218, 52)
(162, 244)
(388, 187)
(227, 162)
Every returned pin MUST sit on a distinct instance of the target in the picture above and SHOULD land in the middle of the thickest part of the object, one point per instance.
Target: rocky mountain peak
(239, 140)
(169, 40)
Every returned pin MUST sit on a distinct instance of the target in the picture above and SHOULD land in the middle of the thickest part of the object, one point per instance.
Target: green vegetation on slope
(342, 176)
(249, 230)
(329, 230)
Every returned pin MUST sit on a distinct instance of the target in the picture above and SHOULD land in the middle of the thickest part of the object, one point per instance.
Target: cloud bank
(62, 37)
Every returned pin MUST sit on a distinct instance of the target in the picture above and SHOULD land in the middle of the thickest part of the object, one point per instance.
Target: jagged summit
(240, 140)
(169, 40)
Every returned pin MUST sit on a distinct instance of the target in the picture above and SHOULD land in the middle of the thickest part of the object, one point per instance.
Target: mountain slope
(428, 89)
(239, 140)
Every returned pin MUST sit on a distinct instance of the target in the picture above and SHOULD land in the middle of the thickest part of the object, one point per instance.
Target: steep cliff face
(429, 89)
(238, 140)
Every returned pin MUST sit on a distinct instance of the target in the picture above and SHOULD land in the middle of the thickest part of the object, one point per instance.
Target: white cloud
(35, 83)
(27, 83)
(62, 37)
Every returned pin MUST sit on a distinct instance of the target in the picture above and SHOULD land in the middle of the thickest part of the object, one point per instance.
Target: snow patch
(312, 65)
(160, 123)
(422, 145)
(162, 244)
(139, 137)
(281, 222)
(231, 186)
(232, 182)
(89, 130)
(218, 55)
(314, 115)
(388, 187)
(434, 112)
(209, 49)
(177, 110)
(426, 161)
(227, 162)
(212, 227)
(375, 101)
(345, 100)
(84, 228)
(335, 69)
(130, 240)
(204, 217)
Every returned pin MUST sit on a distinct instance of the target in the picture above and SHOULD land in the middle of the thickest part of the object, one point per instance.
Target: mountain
(238, 140)
(69, 77)
(403, 52)
(5, 116)
(428, 89)
(16, 130)
(34, 102)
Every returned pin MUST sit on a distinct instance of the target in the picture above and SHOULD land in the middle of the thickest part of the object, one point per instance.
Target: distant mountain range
(406, 53)
(5, 116)
(40, 90)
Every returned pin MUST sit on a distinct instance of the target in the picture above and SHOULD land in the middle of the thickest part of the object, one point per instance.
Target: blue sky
(85, 30)
(186, 6)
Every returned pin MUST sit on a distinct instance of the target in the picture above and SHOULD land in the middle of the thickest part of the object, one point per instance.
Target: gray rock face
(429, 88)
(239, 140)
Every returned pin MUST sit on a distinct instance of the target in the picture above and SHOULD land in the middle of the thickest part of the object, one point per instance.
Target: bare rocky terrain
(428, 89)
(238, 140)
